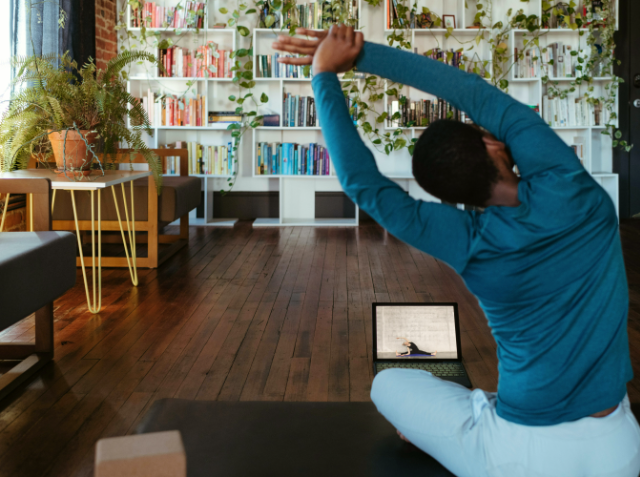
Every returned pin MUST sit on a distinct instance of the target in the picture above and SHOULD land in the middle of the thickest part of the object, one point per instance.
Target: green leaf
(270, 20)
(243, 30)
(250, 11)
(223, 10)
(264, 98)
(618, 134)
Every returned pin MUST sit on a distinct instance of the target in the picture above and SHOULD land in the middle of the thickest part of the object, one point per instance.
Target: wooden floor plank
(240, 314)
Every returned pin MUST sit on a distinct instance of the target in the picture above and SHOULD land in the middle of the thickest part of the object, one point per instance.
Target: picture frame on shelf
(449, 21)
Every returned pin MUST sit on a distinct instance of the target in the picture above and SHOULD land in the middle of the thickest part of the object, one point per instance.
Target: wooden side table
(95, 184)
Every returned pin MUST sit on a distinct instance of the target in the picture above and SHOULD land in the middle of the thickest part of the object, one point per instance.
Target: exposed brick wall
(106, 39)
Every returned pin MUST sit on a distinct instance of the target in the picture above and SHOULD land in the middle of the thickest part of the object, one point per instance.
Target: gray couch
(35, 268)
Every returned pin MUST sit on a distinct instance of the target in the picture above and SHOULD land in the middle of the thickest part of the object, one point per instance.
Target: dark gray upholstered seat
(180, 195)
(35, 269)
(311, 439)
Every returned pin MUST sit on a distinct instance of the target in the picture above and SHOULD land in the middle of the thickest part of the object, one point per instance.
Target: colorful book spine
(292, 159)
(186, 15)
(203, 160)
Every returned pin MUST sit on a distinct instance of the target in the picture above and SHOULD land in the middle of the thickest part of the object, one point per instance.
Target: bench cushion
(35, 269)
(180, 195)
(288, 439)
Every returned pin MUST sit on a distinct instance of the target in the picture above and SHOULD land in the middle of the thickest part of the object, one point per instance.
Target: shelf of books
(289, 148)
(185, 98)
(577, 122)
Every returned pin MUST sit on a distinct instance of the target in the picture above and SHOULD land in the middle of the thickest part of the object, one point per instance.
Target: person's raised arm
(533, 144)
(442, 231)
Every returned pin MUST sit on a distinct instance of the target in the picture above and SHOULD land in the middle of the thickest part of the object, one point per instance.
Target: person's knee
(391, 383)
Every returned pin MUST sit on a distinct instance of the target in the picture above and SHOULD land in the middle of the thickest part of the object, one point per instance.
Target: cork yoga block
(159, 454)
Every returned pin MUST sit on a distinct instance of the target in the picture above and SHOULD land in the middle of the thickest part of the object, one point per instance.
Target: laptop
(419, 336)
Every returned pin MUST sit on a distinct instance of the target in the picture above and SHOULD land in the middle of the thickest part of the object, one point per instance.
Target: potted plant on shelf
(75, 114)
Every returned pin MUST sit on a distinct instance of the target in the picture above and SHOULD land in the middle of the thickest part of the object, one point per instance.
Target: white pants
(460, 428)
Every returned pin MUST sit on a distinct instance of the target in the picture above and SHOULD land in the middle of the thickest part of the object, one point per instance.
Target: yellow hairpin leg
(95, 304)
(53, 200)
(131, 231)
(4, 211)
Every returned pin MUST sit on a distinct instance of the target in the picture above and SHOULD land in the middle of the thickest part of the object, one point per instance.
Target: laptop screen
(415, 332)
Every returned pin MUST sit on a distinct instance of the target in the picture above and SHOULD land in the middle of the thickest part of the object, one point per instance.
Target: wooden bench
(35, 268)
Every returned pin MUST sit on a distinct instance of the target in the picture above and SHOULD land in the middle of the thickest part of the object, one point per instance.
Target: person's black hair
(451, 162)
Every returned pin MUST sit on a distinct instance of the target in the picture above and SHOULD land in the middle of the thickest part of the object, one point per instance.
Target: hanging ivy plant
(368, 93)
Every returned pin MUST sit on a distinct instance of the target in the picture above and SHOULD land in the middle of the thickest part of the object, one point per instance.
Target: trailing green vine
(368, 93)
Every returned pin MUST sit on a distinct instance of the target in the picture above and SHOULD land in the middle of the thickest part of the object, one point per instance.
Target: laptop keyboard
(437, 369)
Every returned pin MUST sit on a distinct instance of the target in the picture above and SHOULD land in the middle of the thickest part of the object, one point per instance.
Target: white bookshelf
(215, 91)
(297, 193)
(598, 156)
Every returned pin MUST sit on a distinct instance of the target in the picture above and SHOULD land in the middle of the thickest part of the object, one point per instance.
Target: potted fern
(72, 113)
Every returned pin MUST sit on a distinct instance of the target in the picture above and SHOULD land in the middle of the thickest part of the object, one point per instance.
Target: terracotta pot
(74, 156)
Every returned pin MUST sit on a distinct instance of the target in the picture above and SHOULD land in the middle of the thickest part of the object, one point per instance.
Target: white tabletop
(95, 181)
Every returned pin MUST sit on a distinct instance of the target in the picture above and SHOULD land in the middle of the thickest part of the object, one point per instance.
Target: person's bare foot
(403, 437)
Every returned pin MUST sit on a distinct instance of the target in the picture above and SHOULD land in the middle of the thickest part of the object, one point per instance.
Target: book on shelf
(171, 110)
(267, 66)
(292, 159)
(203, 62)
(271, 120)
(422, 112)
(298, 111)
(318, 15)
(579, 148)
(448, 57)
(153, 15)
(203, 159)
(392, 14)
(530, 65)
(227, 117)
(572, 112)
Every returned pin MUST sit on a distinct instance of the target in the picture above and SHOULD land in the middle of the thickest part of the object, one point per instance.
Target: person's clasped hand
(333, 51)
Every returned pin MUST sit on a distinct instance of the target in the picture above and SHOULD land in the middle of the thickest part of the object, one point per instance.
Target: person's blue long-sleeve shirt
(549, 274)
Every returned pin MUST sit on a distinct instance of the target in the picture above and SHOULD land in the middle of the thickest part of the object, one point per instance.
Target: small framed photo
(449, 21)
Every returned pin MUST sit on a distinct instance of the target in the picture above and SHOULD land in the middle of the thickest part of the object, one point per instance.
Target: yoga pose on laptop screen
(413, 350)
(543, 258)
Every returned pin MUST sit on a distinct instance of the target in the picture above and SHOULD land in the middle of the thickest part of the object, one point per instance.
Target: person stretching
(543, 258)
(412, 349)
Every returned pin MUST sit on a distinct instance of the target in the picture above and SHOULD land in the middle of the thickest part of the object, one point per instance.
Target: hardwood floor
(242, 314)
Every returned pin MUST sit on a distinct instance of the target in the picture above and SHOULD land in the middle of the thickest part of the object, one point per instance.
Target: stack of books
(451, 57)
(224, 117)
(298, 111)
(530, 65)
(572, 112)
(268, 67)
(318, 15)
(171, 110)
(152, 15)
(208, 160)
(205, 62)
(292, 159)
(423, 112)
